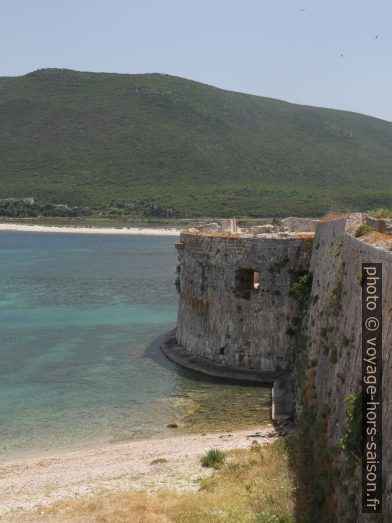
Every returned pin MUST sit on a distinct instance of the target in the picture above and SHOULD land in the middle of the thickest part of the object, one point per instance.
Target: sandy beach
(30, 483)
(143, 231)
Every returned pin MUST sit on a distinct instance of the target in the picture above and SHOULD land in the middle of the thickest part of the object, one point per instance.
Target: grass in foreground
(213, 458)
(252, 486)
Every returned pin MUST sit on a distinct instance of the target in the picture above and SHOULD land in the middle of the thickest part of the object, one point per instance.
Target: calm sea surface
(80, 321)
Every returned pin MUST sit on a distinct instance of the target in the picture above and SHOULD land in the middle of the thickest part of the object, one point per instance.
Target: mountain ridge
(51, 71)
(163, 144)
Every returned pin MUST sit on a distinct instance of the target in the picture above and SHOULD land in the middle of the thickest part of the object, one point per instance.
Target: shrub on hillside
(363, 229)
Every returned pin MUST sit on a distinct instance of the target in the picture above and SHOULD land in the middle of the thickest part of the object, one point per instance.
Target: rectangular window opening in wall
(246, 281)
(256, 280)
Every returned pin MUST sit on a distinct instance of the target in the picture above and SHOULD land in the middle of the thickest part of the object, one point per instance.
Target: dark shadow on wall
(153, 352)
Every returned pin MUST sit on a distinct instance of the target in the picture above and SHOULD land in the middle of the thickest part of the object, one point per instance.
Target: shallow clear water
(80, 321)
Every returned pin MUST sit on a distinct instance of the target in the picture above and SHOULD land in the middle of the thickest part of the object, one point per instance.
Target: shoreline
(147, 465)
(180, 356)
(132, 231)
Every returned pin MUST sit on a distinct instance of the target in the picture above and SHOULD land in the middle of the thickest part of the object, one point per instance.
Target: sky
(273, 48)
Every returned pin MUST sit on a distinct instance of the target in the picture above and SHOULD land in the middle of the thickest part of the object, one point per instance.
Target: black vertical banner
(372, 388)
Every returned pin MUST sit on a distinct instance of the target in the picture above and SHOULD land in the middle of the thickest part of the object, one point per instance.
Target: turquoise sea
(80, 322)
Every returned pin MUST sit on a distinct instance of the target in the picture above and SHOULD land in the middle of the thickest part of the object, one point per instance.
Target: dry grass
(378, 239)
(374, 236)
(303, 235)
(214, 234)
(252, 486)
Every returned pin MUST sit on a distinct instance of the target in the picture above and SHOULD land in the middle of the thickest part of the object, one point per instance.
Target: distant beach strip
(143, 231)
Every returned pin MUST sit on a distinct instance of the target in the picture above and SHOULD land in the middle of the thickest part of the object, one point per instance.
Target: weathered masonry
(235, 304)
(238, 311)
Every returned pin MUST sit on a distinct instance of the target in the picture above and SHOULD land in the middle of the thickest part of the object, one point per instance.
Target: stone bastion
(239, 317)
(235, 304)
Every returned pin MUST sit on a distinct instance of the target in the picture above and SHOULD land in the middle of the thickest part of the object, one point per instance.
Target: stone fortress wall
(236, 309)
(333, 334)
(235, 305)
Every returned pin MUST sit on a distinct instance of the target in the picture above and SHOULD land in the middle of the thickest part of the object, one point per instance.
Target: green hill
(145, 144)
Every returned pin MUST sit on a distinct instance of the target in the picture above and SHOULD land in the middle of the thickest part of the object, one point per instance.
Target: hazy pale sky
(265, 48)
